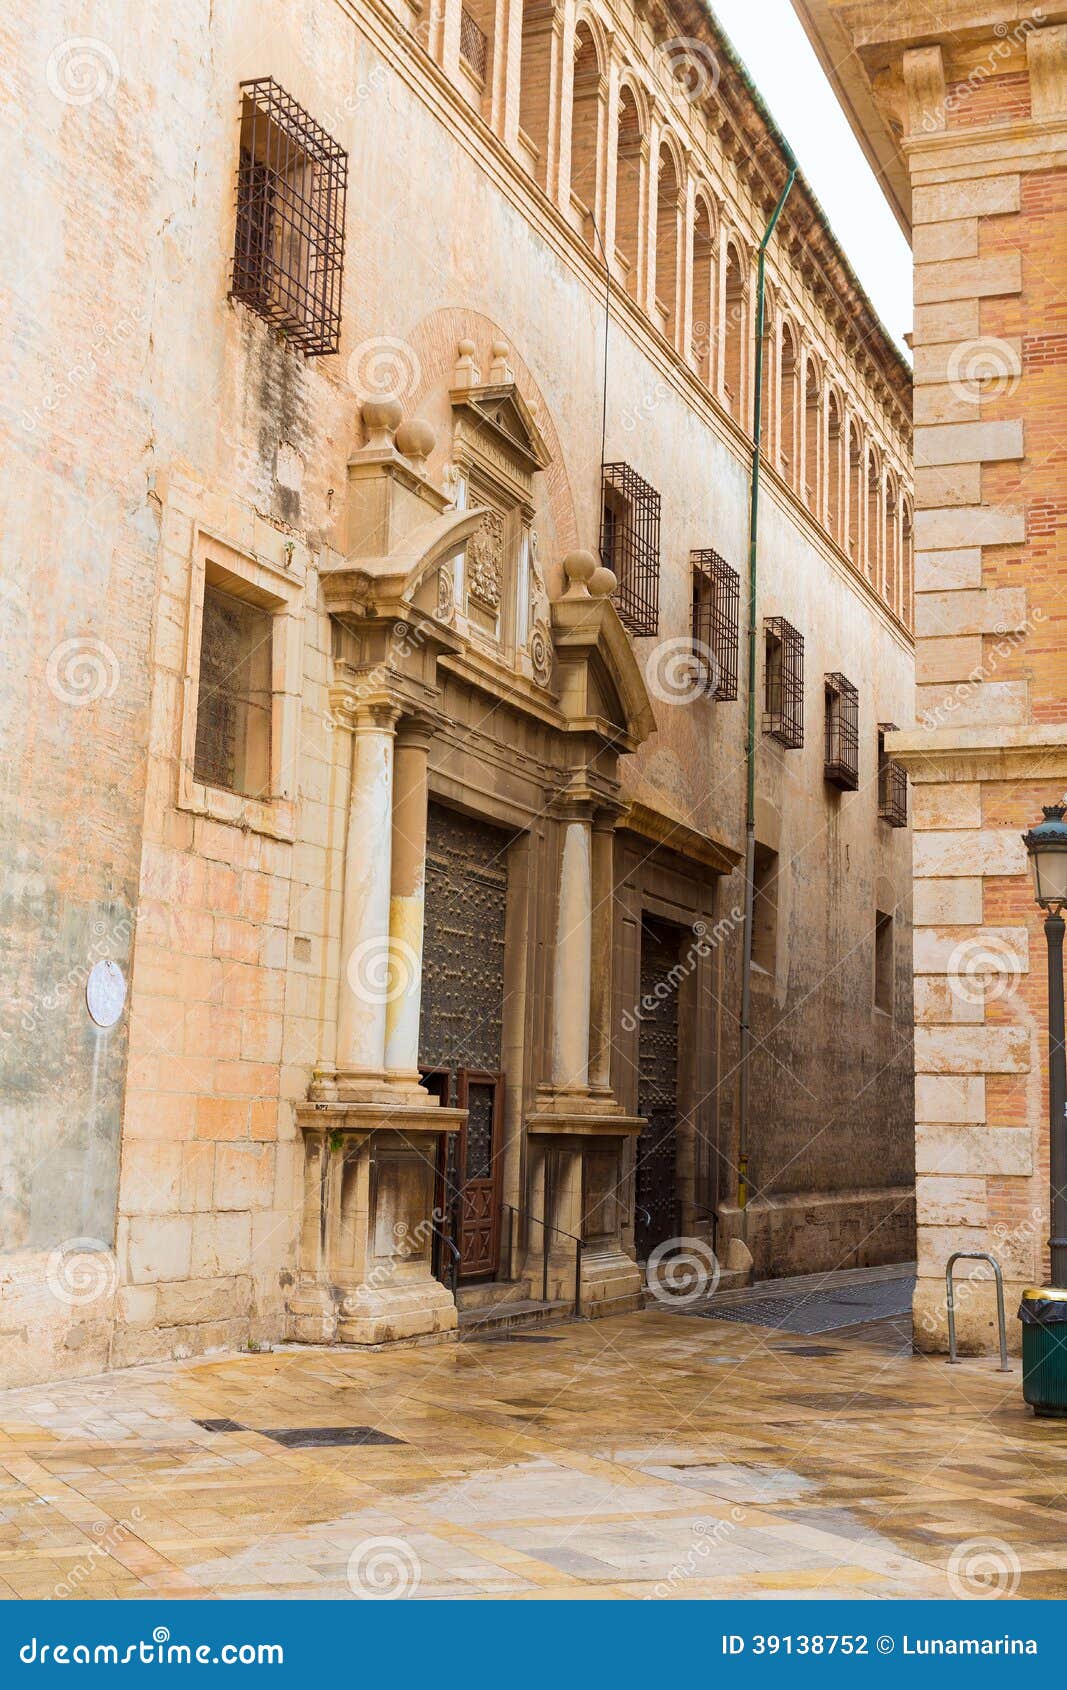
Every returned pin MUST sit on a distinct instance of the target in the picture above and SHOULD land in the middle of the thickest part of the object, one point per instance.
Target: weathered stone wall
(192, 427)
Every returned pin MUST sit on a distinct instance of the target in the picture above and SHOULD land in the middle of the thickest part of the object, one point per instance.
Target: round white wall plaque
(105, 993)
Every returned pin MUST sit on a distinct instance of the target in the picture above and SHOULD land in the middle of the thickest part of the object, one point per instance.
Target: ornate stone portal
(437, 601)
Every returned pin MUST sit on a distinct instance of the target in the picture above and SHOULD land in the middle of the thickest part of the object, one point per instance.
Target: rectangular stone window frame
(264, 584)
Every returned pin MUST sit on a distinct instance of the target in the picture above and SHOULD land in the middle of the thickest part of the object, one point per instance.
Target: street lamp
(1044, 1310)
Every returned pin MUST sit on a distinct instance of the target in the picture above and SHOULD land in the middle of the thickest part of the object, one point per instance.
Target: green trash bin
(1043, 1312)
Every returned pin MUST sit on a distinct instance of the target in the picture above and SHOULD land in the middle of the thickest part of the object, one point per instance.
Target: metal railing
(514, 1213)
(976, 1256)
(445, 1242)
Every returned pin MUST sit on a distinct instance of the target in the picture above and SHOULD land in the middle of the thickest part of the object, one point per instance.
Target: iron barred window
(716, 595)
(892, 783)
(289, 243)
(629, 545)
(783, 683)
(841, 753)
(473, 44)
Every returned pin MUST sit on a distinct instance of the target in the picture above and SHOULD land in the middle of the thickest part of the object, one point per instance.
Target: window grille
(473, 44)
(716, 596)
(783, 700)
(234, 698)
(289, 243)
(892, 783)
(841, 753)
(629, 545)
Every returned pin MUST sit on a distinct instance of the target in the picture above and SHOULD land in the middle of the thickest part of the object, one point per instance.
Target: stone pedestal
(367, 1238)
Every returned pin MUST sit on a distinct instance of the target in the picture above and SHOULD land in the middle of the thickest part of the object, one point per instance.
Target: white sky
(767, 35)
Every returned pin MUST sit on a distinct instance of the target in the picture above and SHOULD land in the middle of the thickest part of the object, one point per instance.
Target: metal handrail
(451, 1245)
(976, 1256)
(546, 1226)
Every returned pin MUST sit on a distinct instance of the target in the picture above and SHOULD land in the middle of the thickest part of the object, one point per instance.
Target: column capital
(417, 728)
(362, 711)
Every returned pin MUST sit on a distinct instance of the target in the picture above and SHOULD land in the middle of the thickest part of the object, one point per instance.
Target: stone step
(500, 1317)
(489, 1293)
(736, 1280)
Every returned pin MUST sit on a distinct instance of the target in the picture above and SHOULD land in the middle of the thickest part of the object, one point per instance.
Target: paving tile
(651, 1455)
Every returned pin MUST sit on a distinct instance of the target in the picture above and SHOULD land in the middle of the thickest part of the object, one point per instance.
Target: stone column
(364, 987)
(407, 898)
(573, 967)
(602, 936)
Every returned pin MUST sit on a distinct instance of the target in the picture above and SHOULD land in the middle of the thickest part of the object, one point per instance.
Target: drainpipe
(750, 739)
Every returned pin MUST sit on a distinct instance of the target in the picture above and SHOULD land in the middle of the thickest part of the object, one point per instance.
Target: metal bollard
(976, 1256)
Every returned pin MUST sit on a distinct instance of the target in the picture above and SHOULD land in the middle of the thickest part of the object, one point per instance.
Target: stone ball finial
(603, 582)
(500, 369)
(467, 373)
(382, 415)
(579, 568)
(416, 438)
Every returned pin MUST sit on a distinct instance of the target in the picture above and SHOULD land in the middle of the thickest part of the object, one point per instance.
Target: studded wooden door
(657, 1090)
(462, 1017)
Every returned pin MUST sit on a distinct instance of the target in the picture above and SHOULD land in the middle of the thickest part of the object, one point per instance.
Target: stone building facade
(375, 613)
(965, 114)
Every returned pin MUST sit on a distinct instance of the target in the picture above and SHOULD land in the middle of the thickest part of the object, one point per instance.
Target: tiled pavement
(650, 1455)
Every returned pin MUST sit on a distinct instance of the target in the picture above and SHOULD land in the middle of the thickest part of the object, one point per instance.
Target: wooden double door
(461, 1027)
(656, 1184)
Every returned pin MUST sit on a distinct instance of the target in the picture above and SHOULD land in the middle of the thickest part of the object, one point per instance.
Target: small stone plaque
(105, 993)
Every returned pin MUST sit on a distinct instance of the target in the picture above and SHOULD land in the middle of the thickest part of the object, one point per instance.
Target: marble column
(364, 988)
(407, 898)
(573, 964)
(602, 939)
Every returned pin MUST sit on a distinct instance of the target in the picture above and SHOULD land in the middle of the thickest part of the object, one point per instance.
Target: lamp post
(1044, 1310)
